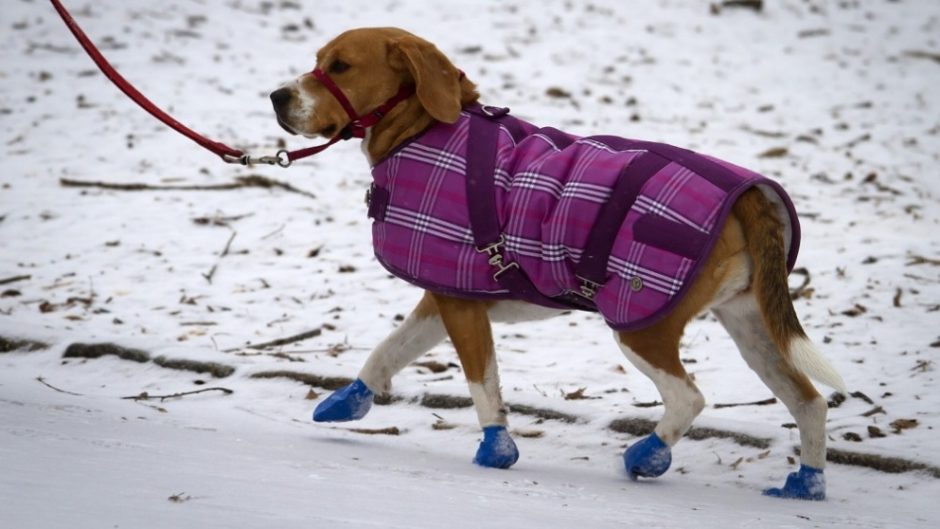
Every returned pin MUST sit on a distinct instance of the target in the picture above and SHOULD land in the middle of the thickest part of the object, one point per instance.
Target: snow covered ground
(836, 100)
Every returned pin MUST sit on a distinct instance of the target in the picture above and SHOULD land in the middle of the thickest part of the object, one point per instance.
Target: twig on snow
(765, 402)
(48, 385)
(275, 232)
(147, 396)
(922, 54)
(801, 290)
(756, 5)
(914, 259)
(219, 220)
(241, 182)
(14, 279)
(333, 350)
(208, 275)
(280, 341)
(391, 430)
(228, 246)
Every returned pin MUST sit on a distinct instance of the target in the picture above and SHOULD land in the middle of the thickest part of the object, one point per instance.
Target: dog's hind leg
(421, 330)
(468, 326)
(764, 325)
(655, 352)
(742, 319)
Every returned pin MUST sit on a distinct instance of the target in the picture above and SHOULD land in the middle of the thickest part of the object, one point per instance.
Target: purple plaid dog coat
(598, 223)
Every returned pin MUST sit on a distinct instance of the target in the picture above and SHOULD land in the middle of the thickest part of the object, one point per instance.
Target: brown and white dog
(743, 282)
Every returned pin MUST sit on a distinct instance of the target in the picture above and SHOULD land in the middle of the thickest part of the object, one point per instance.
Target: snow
(848, 88)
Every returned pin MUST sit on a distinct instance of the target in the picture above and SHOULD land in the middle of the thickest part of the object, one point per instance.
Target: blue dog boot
(497, 449)
(648, 458)
(807, 484)
(348, 403)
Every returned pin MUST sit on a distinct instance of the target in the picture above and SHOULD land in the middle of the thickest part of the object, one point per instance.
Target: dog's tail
(763, 231)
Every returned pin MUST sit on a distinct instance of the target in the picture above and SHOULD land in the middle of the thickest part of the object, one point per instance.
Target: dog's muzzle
(280, 99)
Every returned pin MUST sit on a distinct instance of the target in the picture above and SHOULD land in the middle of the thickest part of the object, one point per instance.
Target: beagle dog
(422, 126)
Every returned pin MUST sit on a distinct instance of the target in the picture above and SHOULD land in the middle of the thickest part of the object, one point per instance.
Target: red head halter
(356, 128)
(358, 125)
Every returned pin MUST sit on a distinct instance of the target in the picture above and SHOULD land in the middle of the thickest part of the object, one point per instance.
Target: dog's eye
(338, 66)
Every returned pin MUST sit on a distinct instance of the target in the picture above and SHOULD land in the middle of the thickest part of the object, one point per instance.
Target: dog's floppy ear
(437, 81)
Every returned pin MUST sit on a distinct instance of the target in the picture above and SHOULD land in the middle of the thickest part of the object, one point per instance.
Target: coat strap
(484, 218)
(592, 268)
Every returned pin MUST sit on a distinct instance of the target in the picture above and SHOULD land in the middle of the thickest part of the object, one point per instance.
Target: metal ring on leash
(283, 158)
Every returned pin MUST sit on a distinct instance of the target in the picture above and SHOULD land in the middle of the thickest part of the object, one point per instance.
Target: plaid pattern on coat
(549, 188)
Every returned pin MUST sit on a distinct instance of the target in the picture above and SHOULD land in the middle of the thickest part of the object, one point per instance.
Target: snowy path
(102, 462)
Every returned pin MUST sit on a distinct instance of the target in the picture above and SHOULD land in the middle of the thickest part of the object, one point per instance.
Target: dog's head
(369, 66)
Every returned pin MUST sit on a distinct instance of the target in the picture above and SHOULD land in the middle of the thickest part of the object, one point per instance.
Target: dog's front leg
(421, 330)
(468, 326)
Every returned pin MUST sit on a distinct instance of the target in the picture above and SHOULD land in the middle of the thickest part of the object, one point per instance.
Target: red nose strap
(357, 126)
(337, 93)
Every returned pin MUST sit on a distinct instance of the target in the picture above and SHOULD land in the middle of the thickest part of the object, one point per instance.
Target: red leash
(283, 157)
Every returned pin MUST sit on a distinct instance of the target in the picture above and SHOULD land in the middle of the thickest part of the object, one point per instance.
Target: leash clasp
(281, 159)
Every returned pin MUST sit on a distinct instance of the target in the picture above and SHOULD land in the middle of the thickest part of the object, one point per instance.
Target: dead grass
(638, 427)
(213, 368)
(97, 350)
(8, 345)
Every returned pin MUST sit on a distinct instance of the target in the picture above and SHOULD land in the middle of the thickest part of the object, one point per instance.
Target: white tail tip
(807, 358)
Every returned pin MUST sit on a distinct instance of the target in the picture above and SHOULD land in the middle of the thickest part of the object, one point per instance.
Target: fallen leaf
(179, 498)
(774, 152)
(903, 424)
(923, 366)
(529, 434)
(857, 310)
(557, 93)
(576, 395)
(441, 424)
(434, 366)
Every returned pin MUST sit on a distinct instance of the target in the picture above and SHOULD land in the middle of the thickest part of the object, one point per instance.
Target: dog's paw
(648, 458)
(806, 484)
(497, 449)
(348, 403)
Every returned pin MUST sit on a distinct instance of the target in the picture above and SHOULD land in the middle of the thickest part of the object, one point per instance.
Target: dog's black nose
(280, 97)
